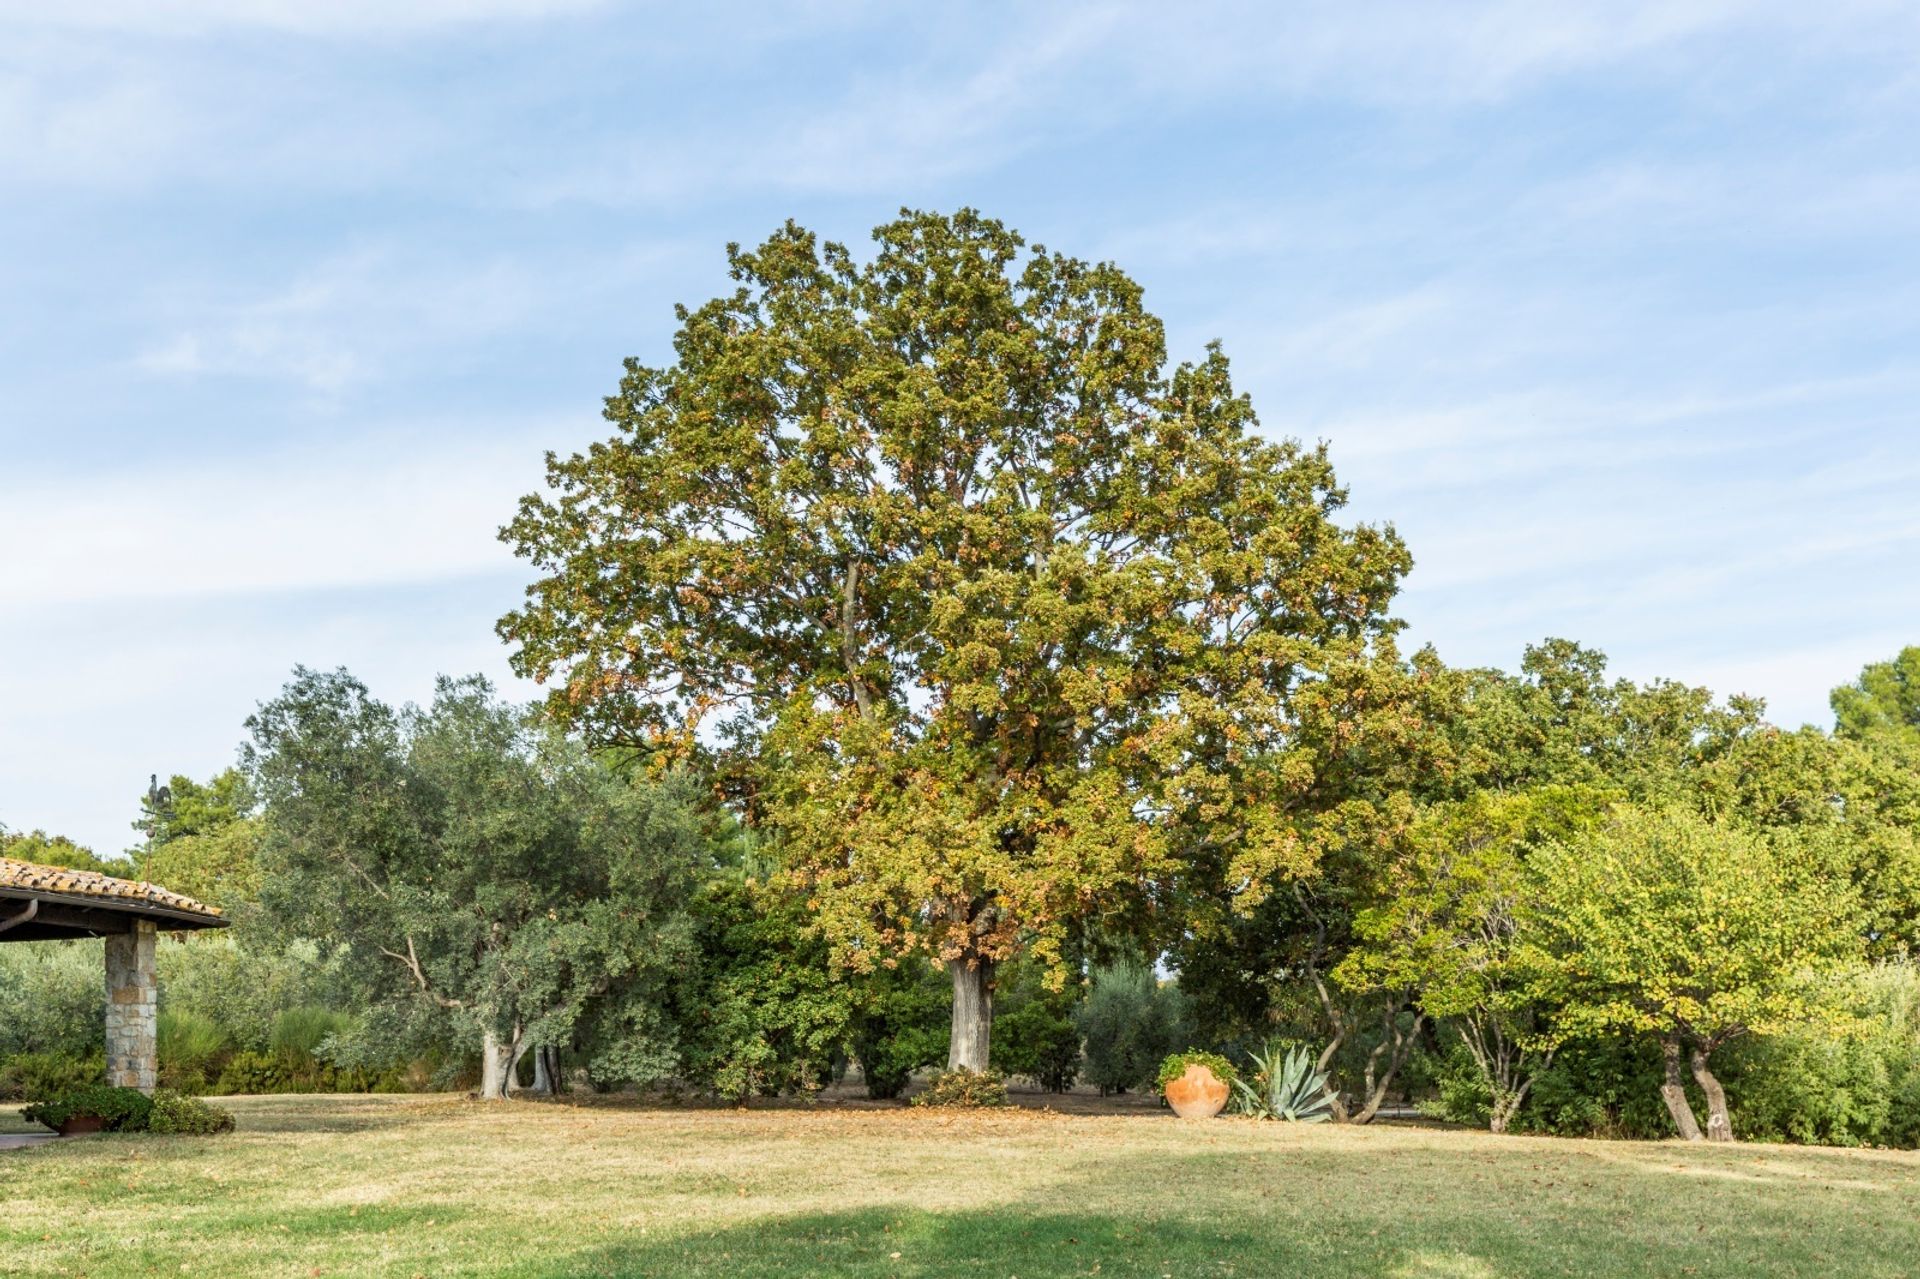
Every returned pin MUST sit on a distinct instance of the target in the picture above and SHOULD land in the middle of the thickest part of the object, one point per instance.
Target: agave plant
(1285, 1085)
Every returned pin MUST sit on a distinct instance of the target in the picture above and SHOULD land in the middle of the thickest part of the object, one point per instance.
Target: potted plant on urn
(1197, 1084)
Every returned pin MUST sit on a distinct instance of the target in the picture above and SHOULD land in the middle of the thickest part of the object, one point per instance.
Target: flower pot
(1198, 1094)
(77, 1124)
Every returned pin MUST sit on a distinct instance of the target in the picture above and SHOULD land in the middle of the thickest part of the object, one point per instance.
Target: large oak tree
(993, 618)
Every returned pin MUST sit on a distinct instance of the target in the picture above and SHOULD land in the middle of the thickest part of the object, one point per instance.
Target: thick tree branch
(411, 962)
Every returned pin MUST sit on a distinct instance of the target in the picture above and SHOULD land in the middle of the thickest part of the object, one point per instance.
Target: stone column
(132, 1005)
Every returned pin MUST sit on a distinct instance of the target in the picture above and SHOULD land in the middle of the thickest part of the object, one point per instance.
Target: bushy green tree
(1860, 1088)
(768, 1012)
(50, 999)
(468, 860)
(242, 979)
(1448, 922)
(1001, 618)
(184, 807)
(1886, 697)
(1035, 1033)
(900, 1024)
(1131, 1020)
(1693, 933)
(58, 850)
(219, 866)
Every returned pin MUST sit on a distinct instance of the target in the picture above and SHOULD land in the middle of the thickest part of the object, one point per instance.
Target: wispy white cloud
(380, 509)
(1608, 304)
(69, 113)
(355, 317)
(955, 95)
(325, 329)
(1052, 74)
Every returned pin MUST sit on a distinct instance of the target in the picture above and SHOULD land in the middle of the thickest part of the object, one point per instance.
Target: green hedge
(119, 1109)
(130, 1110)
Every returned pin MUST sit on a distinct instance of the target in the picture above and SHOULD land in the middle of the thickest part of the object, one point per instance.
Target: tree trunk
(1506, 1068)
(1507, 1105)
(972, 1013)
(1336, 1023)
(546, 1073)
(1719, 1124)
(499, 1059)
(1674, 1091)
(518, 1055)
(1395, 1048)
(494, 1065)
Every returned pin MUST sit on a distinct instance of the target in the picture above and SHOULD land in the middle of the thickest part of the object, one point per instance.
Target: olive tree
(475, 863)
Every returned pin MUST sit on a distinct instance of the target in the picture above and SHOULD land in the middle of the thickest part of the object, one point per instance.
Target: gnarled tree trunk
(545, 1072)
(1508, 1069)
(1719, 1123)
(494, 1065)
(1386, 1059)
(972, 1013)
(1674, 1090)
(498, 1059)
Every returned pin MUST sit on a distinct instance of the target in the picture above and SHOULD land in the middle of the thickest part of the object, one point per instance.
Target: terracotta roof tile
(85, 883)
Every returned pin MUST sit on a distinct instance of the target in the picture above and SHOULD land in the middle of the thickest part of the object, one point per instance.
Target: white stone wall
(132, 1007)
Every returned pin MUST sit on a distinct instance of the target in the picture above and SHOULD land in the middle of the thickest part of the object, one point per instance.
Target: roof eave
(182, 919)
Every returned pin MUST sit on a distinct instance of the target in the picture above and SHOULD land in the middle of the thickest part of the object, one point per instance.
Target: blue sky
(1613, 309)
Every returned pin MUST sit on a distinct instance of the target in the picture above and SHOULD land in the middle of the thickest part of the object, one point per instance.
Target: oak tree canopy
(990, 617)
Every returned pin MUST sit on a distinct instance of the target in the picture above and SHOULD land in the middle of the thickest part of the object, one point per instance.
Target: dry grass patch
(439, 1186)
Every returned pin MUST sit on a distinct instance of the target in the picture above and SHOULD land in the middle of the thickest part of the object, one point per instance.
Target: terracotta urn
(1197, 1094)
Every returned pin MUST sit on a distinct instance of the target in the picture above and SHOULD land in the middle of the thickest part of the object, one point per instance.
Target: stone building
(40, 903)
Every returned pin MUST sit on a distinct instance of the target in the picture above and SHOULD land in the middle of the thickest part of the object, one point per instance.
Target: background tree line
(1630, 907)
(923, 613)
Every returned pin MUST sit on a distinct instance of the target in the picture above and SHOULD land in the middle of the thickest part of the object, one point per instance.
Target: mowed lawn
(440, 1186)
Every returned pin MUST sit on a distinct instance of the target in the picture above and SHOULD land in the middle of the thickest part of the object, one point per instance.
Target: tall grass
(190, 1048)
(300, 1034)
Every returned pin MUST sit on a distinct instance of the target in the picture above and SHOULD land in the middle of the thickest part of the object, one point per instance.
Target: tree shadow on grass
(911, 1244)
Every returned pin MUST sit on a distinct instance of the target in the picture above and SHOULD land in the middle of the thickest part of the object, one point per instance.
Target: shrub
(187, 1116)
(50, 999)
(242, 986)
(1176, 1065)
(762, 1012)
(254, 1073)
(1461, 1093)
(1034, 1033)
(1607, 1087)
(121, 1109)
(902, 1023)
(1286, 1085)
(299, 1038)
(260, 1073)
(963, 1087)
(1131, 1022)
(1857, 1084)
(34, 1076)
(1038, 1040)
